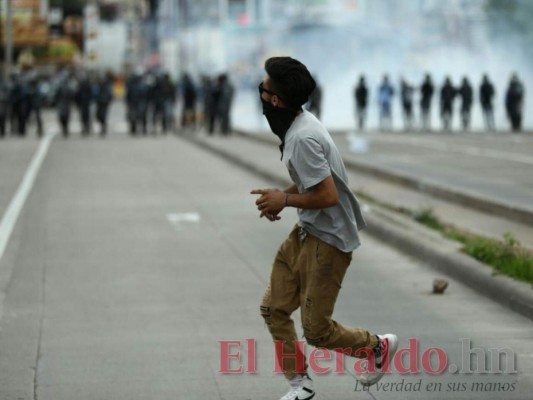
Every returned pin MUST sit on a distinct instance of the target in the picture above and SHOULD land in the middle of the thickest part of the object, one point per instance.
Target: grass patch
(427, 217)
(505, 256)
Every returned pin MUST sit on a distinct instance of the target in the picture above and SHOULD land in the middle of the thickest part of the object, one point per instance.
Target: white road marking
(10, 217)
(177, 219)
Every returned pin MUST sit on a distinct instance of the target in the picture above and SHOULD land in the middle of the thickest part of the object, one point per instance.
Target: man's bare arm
(272, 201)
(322, 195)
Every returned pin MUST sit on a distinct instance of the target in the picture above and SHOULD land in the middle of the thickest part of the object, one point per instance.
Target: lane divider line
(10, 217)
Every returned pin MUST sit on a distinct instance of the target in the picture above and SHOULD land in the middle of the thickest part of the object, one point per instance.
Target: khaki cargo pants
(308, 273)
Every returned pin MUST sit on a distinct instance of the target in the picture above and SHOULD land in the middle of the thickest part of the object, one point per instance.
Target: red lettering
(251, 359)
(442, 359)
(412, 352)
(226, 356)
(339, 359)
(315, 356)
(298, 356)
(367, 363)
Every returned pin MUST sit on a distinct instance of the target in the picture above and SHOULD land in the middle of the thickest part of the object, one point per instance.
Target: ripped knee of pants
(312, 335)
(266, 314)
(313, 339)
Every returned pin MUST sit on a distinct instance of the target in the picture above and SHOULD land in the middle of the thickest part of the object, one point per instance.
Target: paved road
(497, 166)
(133, 257)
(15, 156)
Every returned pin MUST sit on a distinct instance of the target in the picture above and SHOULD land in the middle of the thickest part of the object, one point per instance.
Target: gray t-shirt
(311, 156)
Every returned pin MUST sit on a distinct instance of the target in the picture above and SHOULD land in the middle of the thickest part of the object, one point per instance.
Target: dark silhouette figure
(20, 104)
(157, 100)
(486, 96)
(361, 102)
(64, 99)
(216, 94)
(103, 98)
(84, 99)
(169, 97)
(225, 101)
(514, 102)
(206, 94)
(447, 95)
(137, 103)
(407, 93)
(222, 94)
(426, 96)
(36, 103)
(189, 97)
(4, 106)
(467, 97)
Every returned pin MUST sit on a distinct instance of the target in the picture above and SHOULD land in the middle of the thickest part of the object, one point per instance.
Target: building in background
(29, 28)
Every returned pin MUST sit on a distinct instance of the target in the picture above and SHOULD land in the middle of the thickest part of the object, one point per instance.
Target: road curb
(461, 197)
(446, 257)
(417, 241)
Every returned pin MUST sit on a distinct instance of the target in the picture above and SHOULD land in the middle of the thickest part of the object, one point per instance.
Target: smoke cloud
(406, 39)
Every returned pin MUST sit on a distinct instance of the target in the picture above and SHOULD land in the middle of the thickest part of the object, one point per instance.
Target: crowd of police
(514, 102)
(24, 94)
(151, 98)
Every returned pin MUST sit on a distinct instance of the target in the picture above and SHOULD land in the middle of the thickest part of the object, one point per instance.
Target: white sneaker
(383, 356)
(301, 389)
(306, 391)
(291, 394)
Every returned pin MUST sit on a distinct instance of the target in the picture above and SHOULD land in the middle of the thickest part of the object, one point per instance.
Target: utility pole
(8, 39)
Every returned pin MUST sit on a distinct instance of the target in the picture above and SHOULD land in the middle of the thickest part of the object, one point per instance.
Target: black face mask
(279, 119)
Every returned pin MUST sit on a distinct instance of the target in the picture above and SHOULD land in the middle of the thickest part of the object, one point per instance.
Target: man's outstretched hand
(270, 203)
